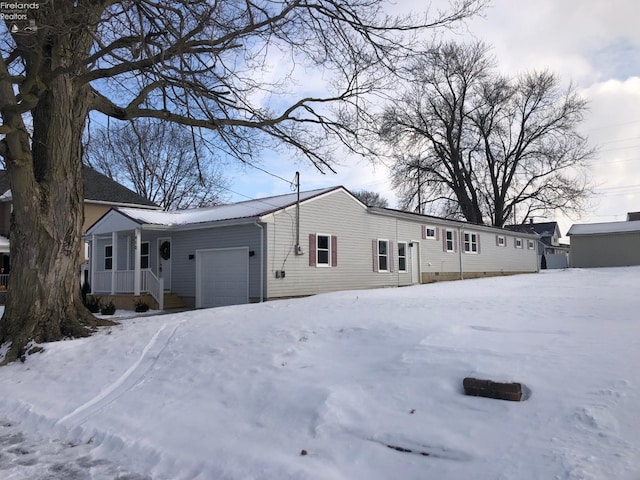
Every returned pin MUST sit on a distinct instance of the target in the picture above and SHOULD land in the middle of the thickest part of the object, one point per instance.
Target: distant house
(551, 253)
(611, 244)
(100, 195)
(633, 216)
(276, 248)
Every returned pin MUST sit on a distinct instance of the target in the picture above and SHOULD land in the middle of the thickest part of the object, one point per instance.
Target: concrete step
(172, 301)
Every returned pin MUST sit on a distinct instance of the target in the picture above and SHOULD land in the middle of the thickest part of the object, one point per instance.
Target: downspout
(257, 224)
(460, 247)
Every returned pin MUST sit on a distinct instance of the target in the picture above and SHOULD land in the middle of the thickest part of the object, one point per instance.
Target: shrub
(140, 305)
(108, 308)
(92, 303)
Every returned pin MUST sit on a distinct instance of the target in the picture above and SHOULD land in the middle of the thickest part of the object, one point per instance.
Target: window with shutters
(518, 243)
(430, 232)
(323, 250)
(501, 241)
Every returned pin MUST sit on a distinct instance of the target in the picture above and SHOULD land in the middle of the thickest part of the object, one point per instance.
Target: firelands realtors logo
(17, 16)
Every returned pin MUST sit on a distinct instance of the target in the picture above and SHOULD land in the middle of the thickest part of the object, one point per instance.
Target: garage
(222, 277)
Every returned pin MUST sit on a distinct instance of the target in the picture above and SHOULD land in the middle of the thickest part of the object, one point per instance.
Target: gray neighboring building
(276, 248)
(611, 244)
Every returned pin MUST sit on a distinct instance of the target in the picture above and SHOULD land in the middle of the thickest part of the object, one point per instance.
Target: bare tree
(478, 145)
(226, 67)
(160, 160)
(371, 199)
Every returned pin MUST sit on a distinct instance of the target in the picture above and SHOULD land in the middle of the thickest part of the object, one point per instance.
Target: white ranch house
(280, 247)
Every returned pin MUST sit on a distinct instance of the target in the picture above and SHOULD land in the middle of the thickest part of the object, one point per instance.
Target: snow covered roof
(604, 228)
(247, 209)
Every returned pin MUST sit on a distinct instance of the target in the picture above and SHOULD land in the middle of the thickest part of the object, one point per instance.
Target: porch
(120, 282)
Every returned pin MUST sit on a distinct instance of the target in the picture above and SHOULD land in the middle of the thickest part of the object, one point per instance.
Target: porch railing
(123, 281)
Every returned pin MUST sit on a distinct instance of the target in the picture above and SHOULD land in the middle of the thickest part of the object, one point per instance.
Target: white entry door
(415, 262)
(165, 251)
(222, 277)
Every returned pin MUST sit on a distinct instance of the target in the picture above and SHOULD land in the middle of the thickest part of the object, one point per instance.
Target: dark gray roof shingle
(97, 188)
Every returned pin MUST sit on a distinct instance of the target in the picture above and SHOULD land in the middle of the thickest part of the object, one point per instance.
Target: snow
(604, 228)
(247, 209)
(239, 392)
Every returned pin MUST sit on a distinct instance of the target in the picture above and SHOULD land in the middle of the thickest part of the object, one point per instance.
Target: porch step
(171, 301)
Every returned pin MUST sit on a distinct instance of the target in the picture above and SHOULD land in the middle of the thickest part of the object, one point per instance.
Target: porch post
(136, 256)
(94, 261)
(114, 260)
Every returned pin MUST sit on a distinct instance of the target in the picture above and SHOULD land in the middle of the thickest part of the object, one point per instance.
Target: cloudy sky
(592, 43)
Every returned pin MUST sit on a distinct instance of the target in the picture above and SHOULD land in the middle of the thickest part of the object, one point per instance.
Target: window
(470, 242)
(108, 257)
(518, 243)
(144, 255)
(449, 241)
(323, 250)
(402, 256)
(531, 245)
(383, 255)
(430, 232)
(501, 241)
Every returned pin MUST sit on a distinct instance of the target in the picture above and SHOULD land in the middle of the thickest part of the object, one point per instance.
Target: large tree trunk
(44, 302)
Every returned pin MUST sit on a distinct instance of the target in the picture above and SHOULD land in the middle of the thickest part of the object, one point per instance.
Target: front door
(415, 262)
(165, 251)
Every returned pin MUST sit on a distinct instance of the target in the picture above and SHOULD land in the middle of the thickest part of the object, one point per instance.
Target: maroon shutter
(497, 242)
(374, 252)
(437, 233)
(455, 242)
(391, 255)
(515, 245)
(334, 251)
(478, 237)
(444, 240)
(312, 250)
(424, 232)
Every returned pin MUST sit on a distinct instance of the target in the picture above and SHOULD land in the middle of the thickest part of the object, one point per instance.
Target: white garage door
(222, 277)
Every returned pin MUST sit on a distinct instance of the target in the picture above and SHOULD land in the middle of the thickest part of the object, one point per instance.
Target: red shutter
(424, 232)
(334, 251)
(312, 250)
(374, 252)
(391, 255)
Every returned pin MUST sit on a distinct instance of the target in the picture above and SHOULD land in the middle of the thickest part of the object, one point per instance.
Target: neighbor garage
(612, 244)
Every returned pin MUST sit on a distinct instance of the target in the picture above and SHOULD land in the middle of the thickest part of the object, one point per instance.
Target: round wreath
(165, 250)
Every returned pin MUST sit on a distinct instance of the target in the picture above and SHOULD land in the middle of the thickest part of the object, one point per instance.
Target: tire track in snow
(129, 379)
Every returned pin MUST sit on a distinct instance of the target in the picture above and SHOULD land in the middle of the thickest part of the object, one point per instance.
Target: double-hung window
(449, 240)
(108, 257)
(402, 256)
(144, 255)
(383, 255)
(470, 242)
(323, 250)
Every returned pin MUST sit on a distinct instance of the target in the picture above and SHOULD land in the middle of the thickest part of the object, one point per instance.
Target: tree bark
(44, 302)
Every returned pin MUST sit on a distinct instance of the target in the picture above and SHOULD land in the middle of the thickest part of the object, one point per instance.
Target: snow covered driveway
(349, 385)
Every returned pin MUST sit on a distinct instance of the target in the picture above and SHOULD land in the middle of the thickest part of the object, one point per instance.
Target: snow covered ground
(241, 392)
